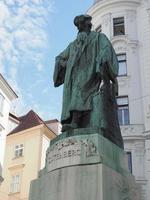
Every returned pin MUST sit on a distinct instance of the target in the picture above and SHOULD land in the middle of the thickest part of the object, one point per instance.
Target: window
(122, 65)
(118, 25)
(123, 110)
(19, 150)
(1, 103)
(129, 160)
(15, 184)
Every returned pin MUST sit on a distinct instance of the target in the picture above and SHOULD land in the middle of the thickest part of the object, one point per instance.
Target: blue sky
(32, 34)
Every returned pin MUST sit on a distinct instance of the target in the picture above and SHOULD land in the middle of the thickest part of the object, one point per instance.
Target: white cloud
(22, 35)
(15, 2)
(46, 90)
(4, 13)
(2, 70)
(13, 73)
(40, 67)
(37, 2)
(22, 26)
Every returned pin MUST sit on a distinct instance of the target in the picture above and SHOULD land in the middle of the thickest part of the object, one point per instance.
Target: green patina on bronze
(106, 152)
(88, 68)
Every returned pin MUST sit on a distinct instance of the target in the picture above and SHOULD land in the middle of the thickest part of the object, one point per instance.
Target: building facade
(7, 95)
(54, 125)
(13, 122)
(25, 154)
(127, 25)
(1, 178)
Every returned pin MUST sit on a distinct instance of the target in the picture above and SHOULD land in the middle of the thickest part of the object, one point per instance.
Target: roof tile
(29, 120)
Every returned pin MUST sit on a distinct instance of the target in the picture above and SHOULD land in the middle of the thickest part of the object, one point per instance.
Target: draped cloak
(77, 67)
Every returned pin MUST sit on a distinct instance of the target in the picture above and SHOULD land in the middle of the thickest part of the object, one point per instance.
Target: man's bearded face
(85, 26)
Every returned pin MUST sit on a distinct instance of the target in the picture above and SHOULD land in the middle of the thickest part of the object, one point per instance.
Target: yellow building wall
(45, 144)
(27, 165)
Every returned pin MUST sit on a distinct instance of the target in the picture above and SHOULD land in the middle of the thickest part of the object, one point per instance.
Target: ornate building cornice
(102, 4)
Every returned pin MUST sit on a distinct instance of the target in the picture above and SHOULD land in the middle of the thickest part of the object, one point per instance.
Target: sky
(32, 34)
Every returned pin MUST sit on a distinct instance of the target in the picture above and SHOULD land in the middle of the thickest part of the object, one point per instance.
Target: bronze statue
(88, 67)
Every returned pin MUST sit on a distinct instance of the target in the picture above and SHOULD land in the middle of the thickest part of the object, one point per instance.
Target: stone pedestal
(84, 167)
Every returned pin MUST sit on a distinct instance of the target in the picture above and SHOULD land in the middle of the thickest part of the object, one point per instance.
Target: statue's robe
(79, 67)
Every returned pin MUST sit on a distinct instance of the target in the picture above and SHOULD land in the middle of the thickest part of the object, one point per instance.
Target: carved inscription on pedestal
(69, 152)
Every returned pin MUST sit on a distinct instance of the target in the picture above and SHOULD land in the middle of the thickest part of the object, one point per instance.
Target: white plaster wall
(55, 127)
(45, 145)
(143, 22)
(1, 179)
(147, 166)
(4, 123)
(136, 147)
(11, 125)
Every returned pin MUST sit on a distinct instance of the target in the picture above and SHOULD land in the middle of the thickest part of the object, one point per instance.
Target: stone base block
(85, 182)
(84, 167)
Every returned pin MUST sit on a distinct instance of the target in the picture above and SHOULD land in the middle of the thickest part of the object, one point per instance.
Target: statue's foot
(67, 127)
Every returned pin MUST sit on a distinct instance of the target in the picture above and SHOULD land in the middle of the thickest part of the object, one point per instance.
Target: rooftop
(31, 119)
